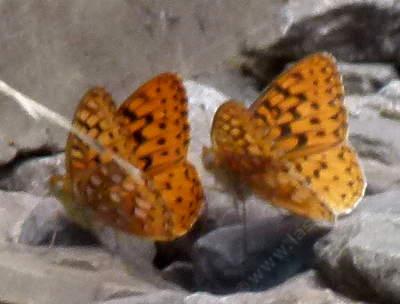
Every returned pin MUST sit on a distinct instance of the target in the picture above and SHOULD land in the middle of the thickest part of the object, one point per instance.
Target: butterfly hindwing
(335, 174)
(285, 190)
(94, 117)
(181, 190)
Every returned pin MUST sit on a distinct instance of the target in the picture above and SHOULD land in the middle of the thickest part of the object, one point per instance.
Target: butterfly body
(141, 182)
(291, 145)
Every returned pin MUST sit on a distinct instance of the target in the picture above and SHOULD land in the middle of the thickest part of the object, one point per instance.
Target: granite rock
(329, 26)
(361, 259)
(303, 288)
(32, 175)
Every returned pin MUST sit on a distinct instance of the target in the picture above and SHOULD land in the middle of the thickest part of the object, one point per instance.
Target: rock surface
(54, 51)
(304, 288)
(379, 154)
(361, 256)
(59, 274)
(65, 275)
(330, 26)
(31, 175)
(160, 297)
(267, 253)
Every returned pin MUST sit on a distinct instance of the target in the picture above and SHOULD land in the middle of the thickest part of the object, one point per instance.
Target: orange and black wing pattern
(151, 132)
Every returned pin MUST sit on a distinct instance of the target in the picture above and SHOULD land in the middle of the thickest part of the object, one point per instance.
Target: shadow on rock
(46, 226)
(276, 250)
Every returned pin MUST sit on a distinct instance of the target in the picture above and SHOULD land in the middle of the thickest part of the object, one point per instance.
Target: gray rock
(180, 273)
(181, 36)
(366, 78)
(391, 90)
(7, 152)
(267, 253)
(48, 225)
(42, 220)
(304, 288)
(230, 81)
(361, 255)
(64, 275)
(330, 26)
(160, 297)
(20, 135)
(59, 274)
(376, 137)
(381, 177)
(32, 175)
(14, 208)
(359, 258)
(382, 203)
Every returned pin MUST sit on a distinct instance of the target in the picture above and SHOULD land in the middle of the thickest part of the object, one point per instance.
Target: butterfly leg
(53, 239)
(240, 205)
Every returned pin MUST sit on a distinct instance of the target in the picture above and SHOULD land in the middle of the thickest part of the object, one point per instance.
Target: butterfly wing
(161, 208)
(335, 175)
(303, 108)
(93, 118)
(307, 166)
(282, 189)
(236, 141)
(238, 144)
(180, 188)
(155, 121)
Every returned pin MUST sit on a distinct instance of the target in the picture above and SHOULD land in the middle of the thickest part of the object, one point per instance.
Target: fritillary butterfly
(150, 130)
(291, 146)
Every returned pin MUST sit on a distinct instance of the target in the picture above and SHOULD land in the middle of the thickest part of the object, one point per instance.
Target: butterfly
(291, 145)
(149, 131)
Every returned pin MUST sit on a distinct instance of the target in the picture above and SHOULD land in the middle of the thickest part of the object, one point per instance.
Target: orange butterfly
(150, 130)
(291, 146)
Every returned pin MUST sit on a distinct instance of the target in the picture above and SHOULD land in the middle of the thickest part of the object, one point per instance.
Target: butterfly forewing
(303, 108)
(155, 119)
(237, 140)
